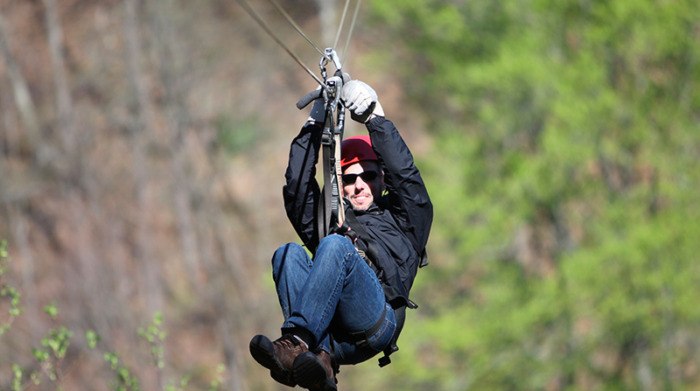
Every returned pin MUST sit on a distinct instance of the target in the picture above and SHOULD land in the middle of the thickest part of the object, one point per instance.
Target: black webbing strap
(331, 212)
(400, 320)
(362, 336)
(355, 225)
(325, 210)
(370, 257)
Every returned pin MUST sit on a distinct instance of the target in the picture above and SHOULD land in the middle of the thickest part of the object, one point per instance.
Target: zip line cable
(297, 28)
(352, 27)
(246, 6)
(350, 30)
(342, 22)
(258, 19)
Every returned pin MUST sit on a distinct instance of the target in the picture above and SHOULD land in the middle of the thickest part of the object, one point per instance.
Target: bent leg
(349, 351)
(341, 288)
(291, 267)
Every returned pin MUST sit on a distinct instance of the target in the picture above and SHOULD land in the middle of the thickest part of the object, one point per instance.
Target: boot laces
(287, 342)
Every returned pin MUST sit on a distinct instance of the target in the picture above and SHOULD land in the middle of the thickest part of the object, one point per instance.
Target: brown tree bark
(172, 73)
(139, 131)
(64, 102)
(328, 15)
(22, 97)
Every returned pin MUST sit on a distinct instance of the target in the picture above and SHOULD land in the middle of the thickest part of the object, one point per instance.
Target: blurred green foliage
(237, 136)
(563, 176)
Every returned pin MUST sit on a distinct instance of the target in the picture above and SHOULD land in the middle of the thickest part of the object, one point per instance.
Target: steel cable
(352, 27)
(342, 22)
(246, 6)
(296, 27)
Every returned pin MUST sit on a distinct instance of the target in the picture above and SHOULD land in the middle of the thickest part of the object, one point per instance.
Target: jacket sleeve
(408, 197)
(301, 192)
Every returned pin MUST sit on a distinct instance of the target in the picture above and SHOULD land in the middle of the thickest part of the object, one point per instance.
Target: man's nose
(359, 183)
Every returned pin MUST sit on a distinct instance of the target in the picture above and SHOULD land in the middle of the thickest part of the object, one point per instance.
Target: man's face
(362, 181)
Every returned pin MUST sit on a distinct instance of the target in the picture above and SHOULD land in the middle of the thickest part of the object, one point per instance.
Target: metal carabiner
(330, 55)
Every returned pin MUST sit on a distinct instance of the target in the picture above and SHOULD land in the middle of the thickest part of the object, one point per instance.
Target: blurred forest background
(143, 145)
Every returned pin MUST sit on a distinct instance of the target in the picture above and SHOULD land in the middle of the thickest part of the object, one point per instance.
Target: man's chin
(360, 207)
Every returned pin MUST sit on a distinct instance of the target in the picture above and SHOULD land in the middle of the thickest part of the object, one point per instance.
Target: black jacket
(398, 223)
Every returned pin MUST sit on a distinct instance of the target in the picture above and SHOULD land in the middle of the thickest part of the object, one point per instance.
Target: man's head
(363, 179)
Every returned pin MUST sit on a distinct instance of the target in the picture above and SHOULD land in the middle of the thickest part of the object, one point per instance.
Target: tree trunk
(141, 109)
(171, 71)
(64, 103)
(329, 21)
(23, 100)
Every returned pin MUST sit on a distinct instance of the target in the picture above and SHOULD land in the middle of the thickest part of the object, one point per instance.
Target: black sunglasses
(367, 176)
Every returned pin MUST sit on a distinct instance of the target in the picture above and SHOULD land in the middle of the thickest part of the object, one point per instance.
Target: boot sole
(310, 373)
(263, 352)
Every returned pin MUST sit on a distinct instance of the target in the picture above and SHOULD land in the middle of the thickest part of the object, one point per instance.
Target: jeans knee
(336, 242)
(288, 254)
(336, 250)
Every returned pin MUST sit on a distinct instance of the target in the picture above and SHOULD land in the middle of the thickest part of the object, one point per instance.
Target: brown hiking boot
(278, 356)
(329, 365)
(315, 372)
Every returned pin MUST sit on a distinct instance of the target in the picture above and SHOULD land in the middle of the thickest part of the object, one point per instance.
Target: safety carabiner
(330, 55)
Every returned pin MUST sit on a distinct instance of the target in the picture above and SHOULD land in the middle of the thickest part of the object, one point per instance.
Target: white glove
(361, 100)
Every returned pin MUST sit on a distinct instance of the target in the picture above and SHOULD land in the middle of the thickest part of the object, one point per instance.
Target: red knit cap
(356, 149)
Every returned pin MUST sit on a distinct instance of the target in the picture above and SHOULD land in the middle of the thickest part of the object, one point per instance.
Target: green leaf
(93, 338)
(51, 310)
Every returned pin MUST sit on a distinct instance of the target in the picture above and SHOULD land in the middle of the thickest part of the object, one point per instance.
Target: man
(349, 301)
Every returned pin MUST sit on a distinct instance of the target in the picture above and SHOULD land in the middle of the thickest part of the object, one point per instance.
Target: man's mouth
(360, 198)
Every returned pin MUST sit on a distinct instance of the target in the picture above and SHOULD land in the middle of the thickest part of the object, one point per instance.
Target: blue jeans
(336, 293)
